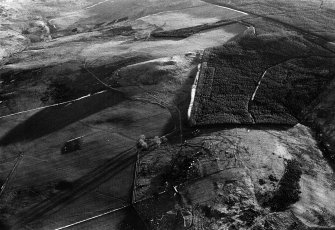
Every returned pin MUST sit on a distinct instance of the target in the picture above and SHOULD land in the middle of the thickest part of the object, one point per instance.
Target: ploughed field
(265, 79)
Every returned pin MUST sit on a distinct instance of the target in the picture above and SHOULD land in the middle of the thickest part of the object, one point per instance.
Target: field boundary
(205, 79)
(193, 92)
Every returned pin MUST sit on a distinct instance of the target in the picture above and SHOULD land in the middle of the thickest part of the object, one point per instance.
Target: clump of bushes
(3, 225)
(289, 189)
(186, 32)
(60, 90)
(183, 167)
(64, 185)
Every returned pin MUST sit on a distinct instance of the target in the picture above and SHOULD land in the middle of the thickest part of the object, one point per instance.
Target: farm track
(108, 212)
(47, 106)
(130, 203)
(81, 186)
(61, 168)
(12, 171)
(89, 181)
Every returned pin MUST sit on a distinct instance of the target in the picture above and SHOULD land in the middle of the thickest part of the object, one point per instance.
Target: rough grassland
(314, 17)
(189, 17)
(227, 176)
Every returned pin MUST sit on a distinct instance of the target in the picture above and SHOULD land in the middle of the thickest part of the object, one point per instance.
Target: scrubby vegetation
(59, 90)
(186, 32)
(289, 189)
(63, 185)
(3, 225)
(183, 167)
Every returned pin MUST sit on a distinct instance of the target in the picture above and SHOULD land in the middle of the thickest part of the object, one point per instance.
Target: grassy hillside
(315, 17)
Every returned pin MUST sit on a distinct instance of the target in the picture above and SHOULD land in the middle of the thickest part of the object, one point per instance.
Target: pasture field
(108, 124)
(106, 135)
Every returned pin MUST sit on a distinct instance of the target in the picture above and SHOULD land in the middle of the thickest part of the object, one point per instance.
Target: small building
(72, 145)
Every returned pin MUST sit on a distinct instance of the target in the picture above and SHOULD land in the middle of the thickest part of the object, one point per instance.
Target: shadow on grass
(133, 221)
(55, 118)
(153, 212)
(4, 226)
(105, 172)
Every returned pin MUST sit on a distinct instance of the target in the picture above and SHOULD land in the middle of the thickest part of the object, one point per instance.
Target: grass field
(91, 204)
(108, 124)
(45, 72)
(104, 138)
(190, 17)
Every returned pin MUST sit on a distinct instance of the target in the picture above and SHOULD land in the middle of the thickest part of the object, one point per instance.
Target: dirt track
(80, 187)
